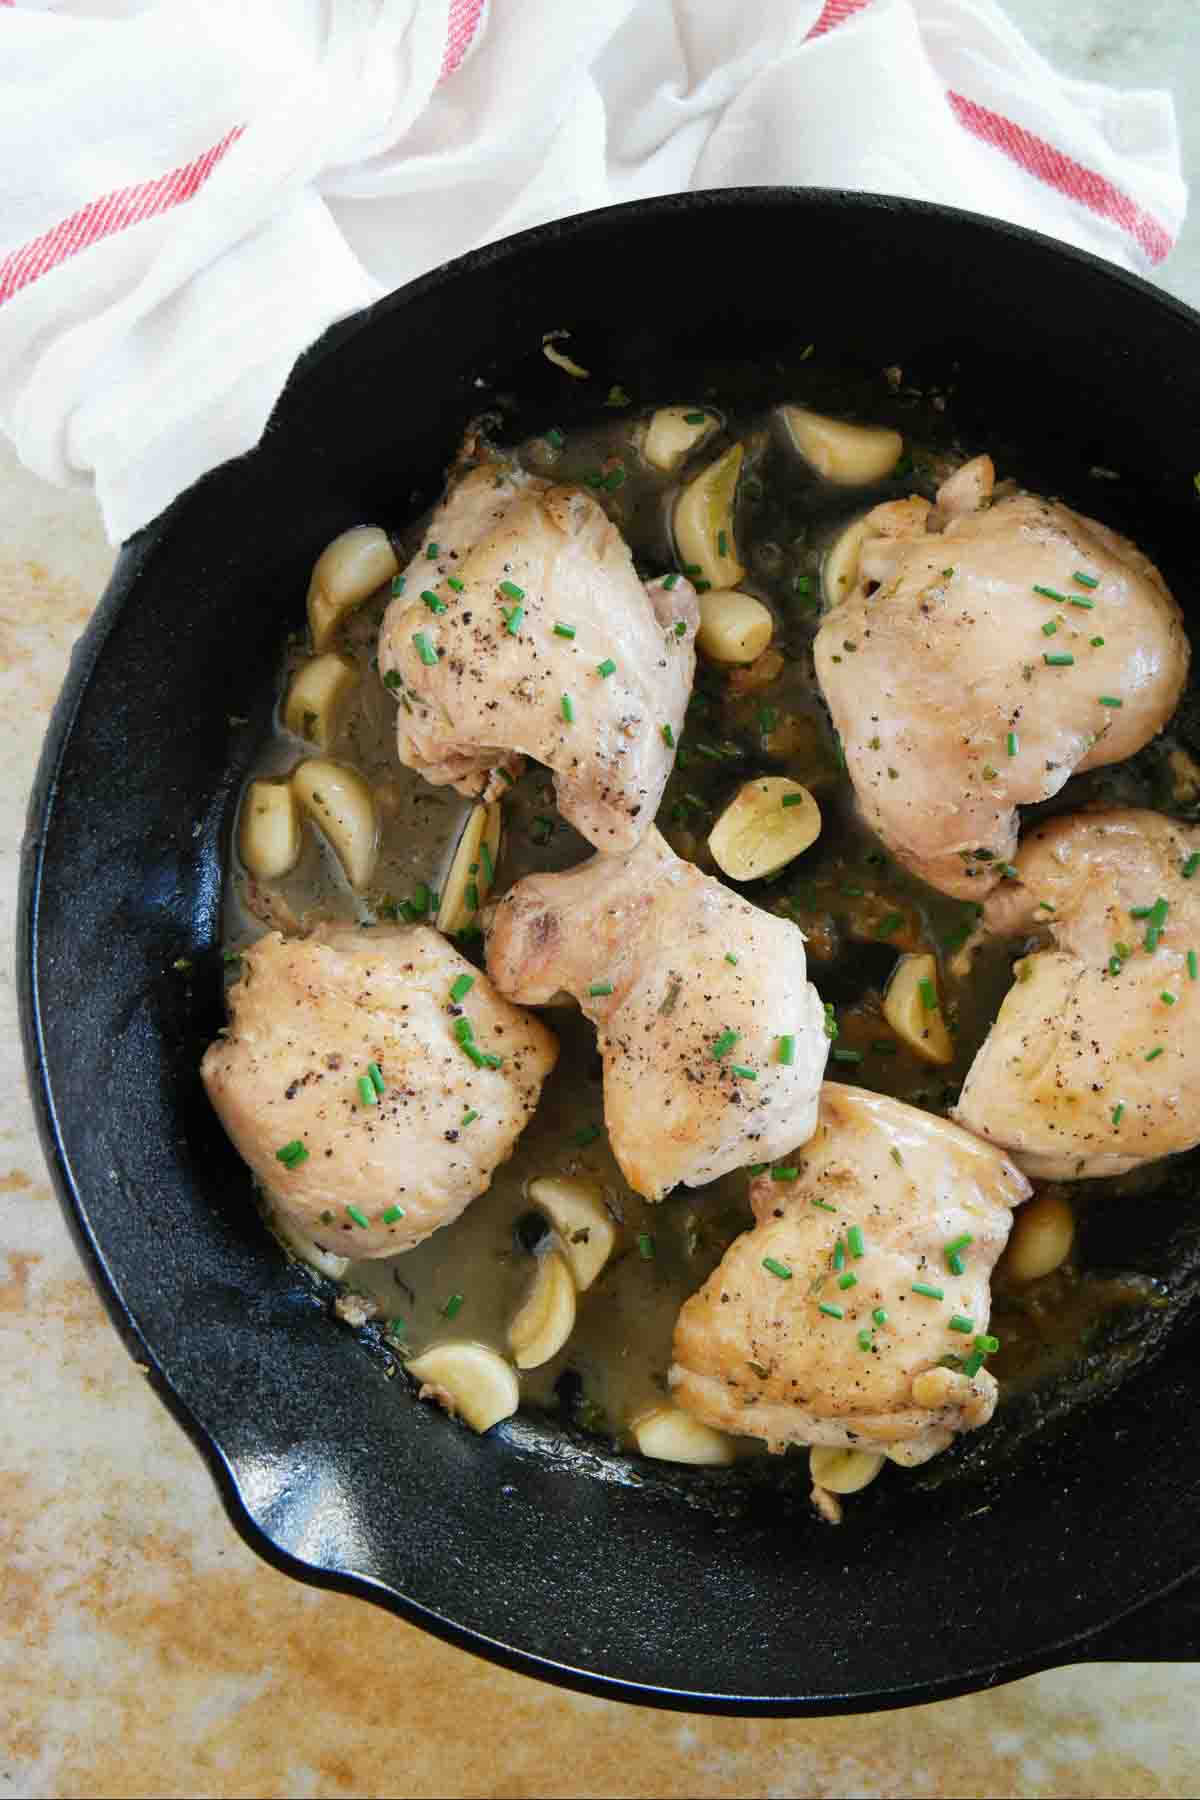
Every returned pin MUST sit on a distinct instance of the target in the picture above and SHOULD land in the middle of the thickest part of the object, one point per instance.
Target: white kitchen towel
(192, 190)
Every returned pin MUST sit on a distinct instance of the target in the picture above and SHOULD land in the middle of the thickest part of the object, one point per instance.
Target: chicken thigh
(1093, 1063)
(988, 649)
(855, 1313)
(522, 630)
(360, 1167)
(713, 1039)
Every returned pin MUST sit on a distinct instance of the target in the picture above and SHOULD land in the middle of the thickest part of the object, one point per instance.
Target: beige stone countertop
(144, 1650)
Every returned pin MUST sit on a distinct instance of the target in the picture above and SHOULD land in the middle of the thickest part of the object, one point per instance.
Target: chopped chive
(614, 479)
(671, 580)
(855, 1243)
(555, 438)
(723, 1044)
(794, 799)
(1097, 643)
(692, 569)
(645, 1246)
(392, 1213)
(745, 1073)
(392, 680)
(513, 620)
(511, 591)
(293, 1154)
(600, 987)
(831, 1024)
(464, 1031)
(396, 1328)
(1159, 911)
(1110, 700)
(959, 1243)
(1140, 912)
(803, 584)
(1087, 581)
(777, 1268)
(432, 602)
(1061, 660)
(461, 986)
(471, 1049)
(587, 1134)
(1011, 743)
(929, 1293)
(847, 1056)
(722, 543)
(959, 1322)
(564, 631)
(485, 857)
(360, 1218)
(1150, 941)
(879, 1316)
(787, 1175)
(606, 668)
(668, 737)
(1087, 605)
(1167, 998)
(472, 896)
(831, 1312)
(1152, 1054)
(1191, 965)
(973, 1364)
(890, 924)
(425, 650)
(469, 1117)
(731, 958)
(1191, 865)
(568, 709)
(1118, 1112)
(785, 1050)
(397, 585)
(848, 1280)
(491, 1061)
(376, 1074)
(696, 418)
(366, 1091)
(1050, 627)
(1048, 593)
(825, 1206)
(928, 993)
(955, 1263)
(452, 1306)
(988, 1344)
(753, 1169)
(433, 551)
(839, 1256)
(865, 1340)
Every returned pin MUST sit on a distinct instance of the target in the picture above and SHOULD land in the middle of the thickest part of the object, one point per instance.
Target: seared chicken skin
(522, 630)
(780, 1343)
(697, 996)
(308, 1018)
(989, 649)
(1093, 1063)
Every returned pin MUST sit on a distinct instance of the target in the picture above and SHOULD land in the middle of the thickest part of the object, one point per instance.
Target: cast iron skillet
(590, 1570)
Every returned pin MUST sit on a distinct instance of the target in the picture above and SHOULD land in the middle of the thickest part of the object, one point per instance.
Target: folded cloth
(192, 190)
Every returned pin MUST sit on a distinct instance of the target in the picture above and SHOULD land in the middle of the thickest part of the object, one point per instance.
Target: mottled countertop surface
(145, 1651)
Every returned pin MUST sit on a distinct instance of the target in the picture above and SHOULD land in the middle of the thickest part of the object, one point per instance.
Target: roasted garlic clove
(575, 1207)
(345, 574)
(318, 692)
(770, 821)
(468, 1380)
(704, 522)
(839, 570)
(269, 829)
(339, 803)
(912, 1007)
(673, 433)
(671, 1435)
(734, 628)
(473, 868)
(847, 454)
(547, 1319)
(843, 1471)
(1042, 1234)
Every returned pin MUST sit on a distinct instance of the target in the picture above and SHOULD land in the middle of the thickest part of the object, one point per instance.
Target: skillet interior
(565, 1562)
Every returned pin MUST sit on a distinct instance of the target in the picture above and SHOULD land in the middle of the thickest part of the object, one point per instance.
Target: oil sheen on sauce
(858, 909)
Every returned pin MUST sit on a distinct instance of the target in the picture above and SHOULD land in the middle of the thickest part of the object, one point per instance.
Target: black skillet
(561, 1561)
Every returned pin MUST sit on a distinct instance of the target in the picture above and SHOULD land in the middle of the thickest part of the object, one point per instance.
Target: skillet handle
(1165, 1630)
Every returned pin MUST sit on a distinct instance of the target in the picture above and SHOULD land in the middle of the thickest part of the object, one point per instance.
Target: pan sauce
(842, 892)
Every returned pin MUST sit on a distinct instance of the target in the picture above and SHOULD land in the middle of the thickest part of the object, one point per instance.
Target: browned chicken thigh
(522, 629)
(1093, 1064)
(989, 648)
(713, 1038)
(855, 1313)
(310, 1019)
